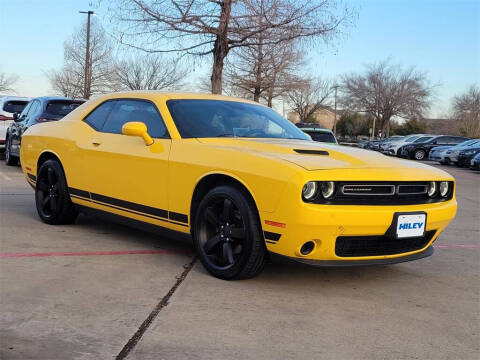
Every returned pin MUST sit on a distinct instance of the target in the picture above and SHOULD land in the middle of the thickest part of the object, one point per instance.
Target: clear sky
(439, 37)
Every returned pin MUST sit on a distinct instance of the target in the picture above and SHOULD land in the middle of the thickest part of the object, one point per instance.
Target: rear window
(14, 106)
(61, 108)
(321, 137)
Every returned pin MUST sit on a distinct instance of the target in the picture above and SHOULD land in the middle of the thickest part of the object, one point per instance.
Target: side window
(456, 140)
(97, 117)
(25, 111)
(135, 110)
(33, 109)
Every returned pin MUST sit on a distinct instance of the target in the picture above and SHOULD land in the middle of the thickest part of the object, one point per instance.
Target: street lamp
(86, 81)
(335, 120)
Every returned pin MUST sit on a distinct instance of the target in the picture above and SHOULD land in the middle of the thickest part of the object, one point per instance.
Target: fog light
(328, 188)
(309, 190)
(432, 188)
(443, 188)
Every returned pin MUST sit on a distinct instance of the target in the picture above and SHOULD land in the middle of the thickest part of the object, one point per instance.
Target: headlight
(328, 188)
(309, 190)
(432, 188)
(443, 188)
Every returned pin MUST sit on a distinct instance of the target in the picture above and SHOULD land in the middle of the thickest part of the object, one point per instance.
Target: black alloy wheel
(227, 234)
(51, 195)
(10, 160)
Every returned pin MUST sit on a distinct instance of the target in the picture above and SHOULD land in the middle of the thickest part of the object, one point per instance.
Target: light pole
(335, 110)
(86, 82)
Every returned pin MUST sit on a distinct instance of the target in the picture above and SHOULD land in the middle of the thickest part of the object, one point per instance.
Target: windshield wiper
(225, 135)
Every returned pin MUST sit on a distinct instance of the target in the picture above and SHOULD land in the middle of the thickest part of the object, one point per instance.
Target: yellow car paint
(156, 183)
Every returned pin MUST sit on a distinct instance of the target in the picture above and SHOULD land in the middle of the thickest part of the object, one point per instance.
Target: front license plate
(411, 225)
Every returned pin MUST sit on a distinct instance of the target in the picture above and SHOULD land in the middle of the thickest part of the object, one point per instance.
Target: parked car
(385, 143)
(394, 146)
(238, 177)
(8, 106)
(38, 110)
(451, 155)
(442, 153)
(320, 134)
(466, 155)
(419, 150)
(475, 162)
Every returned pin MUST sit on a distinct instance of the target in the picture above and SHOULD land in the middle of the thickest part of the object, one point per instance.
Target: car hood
(312, 155)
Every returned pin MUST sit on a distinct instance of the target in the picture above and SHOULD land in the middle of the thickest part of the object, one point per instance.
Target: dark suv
(38, 110)
(420, 150)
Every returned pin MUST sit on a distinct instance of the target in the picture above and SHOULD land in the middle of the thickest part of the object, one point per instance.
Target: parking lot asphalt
(100, 290)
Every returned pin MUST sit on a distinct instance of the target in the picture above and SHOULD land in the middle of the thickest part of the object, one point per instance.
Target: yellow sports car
(241, 179)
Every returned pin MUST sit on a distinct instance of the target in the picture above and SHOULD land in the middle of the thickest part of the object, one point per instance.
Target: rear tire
(53, 202)
(227, 234)
(10, 160)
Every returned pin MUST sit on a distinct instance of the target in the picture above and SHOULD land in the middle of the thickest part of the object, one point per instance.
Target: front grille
(382, 193)
(351, 246)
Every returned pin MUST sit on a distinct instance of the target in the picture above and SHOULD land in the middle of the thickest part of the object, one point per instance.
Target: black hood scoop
(311, 152)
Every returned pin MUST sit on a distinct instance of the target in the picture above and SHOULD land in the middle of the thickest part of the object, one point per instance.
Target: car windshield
(14, 106)
(423, 139)
(196, 118)
(322, 136)
(467, 143)
(61, 108)
(410, 139)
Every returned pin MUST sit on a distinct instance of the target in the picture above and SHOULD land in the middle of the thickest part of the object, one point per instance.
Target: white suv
(8, 106)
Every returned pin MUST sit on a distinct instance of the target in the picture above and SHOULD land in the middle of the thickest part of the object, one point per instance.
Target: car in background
(420, 150)
(475, 162)
(393, 147)
(8, 106)
(320, 134)
(442, 153)
(465, 156)
(385, 143)
(39, 110)
(451, 155)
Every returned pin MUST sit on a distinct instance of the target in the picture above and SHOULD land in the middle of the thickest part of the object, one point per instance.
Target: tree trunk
(220, 49)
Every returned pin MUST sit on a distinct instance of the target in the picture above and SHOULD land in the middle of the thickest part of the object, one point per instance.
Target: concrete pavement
(142, 301)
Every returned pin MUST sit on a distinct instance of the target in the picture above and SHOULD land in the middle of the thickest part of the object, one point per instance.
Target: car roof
(51, 98)
(10, 98)
(317, 130)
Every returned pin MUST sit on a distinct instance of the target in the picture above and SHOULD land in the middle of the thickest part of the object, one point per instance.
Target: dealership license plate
(411, 225)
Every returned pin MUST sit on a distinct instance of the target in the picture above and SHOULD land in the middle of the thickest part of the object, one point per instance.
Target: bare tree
(385, 91)
(7, 82)
(207, 27)
(66, 82)
(310, 96)
(148, 72)
(466, 109)
(72, 74)
(264, 71)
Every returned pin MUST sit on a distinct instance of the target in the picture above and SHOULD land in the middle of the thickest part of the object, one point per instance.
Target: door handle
(96, 142)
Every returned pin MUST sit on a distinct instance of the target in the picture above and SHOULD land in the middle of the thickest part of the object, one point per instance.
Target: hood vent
(311, 152)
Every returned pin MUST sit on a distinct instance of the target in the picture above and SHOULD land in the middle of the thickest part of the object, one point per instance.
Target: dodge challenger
(238, 177)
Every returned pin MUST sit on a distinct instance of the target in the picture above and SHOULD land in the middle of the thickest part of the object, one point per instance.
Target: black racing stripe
(130, 205)
(78, 192)
(271, 235)
(32, 177)
(178, 217)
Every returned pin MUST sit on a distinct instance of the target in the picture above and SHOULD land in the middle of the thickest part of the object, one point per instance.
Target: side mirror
(135, 128)
(16, 116)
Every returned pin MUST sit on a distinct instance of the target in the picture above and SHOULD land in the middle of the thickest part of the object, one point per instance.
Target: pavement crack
(130, 345)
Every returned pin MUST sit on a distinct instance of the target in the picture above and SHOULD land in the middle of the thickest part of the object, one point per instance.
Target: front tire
(227, 234)
(51, 195)
(419, 154)
(10, 160)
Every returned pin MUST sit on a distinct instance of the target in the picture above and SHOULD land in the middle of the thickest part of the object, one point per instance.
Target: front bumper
(387, 261)
(325, 225)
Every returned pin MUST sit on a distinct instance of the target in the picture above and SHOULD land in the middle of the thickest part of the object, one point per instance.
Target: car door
(20, 126)
(122, 172)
